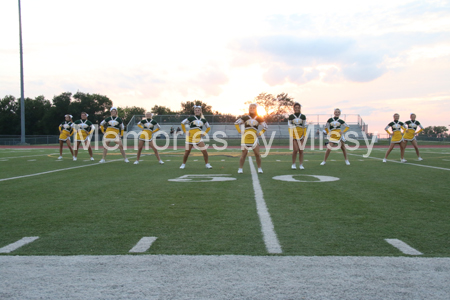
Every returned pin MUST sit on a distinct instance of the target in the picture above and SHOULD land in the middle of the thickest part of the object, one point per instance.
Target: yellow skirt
(249, 138)
(297, 133)
(82, 136)
(112, 134)
(146, 135)
(194, 136)
(396, 137)
(410, 135)
(64, 135)
(335, 136)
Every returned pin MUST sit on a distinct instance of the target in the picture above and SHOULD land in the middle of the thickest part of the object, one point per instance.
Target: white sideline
(143, 245)
(16, 245)
(407, 163)
(58, 170)
(402, 246)
(268, 231)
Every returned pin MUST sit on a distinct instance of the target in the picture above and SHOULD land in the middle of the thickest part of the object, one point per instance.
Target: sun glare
(261, 111)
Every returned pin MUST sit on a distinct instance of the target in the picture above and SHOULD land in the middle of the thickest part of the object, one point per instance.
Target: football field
(54, 208)
(84, 207)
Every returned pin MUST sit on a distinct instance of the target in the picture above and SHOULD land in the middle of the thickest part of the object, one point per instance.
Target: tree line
(42, 116)
(435, 131)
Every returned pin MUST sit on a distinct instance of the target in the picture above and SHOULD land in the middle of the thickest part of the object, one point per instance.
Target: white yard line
(18, 244)
(407, 163)
(267, 228)
(58, 170)
(143, 245)
(403, 247)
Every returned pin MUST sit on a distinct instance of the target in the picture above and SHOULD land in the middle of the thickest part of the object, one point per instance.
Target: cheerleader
(84, 128)
(112, 129)
(249, 139)
(396, 137)
(65, 132)
(410, 134)
(336, 128)
(149, 127)
(195, 134)
(297, 127)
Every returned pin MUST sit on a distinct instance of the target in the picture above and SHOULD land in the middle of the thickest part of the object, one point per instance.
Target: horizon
(368, 59)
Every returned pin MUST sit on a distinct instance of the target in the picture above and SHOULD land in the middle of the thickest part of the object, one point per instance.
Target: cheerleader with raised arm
(411, 127)
(83, 128)
(149, 127)
(336, 128)
(65, 132)
(249, 138)
(195, 134)
(396, 137)
(297, 128)
(112, 128)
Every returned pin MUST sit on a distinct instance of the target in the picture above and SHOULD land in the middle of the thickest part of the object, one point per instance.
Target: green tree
(187, 108)
(435, 131)
(440, 131)
(35, 110)
(96, 105)
(9, 116)
(128, 112)
(281, 104)
(162, 110)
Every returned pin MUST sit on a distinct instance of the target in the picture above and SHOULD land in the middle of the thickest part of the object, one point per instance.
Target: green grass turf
(105, 209)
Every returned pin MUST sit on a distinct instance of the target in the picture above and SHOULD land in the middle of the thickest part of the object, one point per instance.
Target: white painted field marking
(223, 160)
(29, 156)
(332, 160)
(278, 160)
(361, 159)
(167, 160)
(3, 160)
(292, 179)
(143, 245)
(203, 178)
(403, 247)
(195, 159)
(268, 231)
(446, 159)
(58, 170)
(408, 164)
(31, 160)
(16, 245)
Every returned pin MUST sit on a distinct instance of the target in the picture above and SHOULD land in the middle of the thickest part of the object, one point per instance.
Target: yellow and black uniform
(335, 128)
(397, 127)
(149, 128)
(411, 127)
(297, 126)
(83, 128)
(114, 128)
(251, 124)
(194, 136)
(66, 130)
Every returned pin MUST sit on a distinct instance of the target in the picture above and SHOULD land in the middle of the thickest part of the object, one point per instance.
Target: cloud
(302, 59)
(360, 48)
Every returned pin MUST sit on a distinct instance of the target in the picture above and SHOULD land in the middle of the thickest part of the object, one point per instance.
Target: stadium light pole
(22, 100)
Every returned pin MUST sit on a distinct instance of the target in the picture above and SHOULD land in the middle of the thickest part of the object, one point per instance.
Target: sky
(372, 58)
